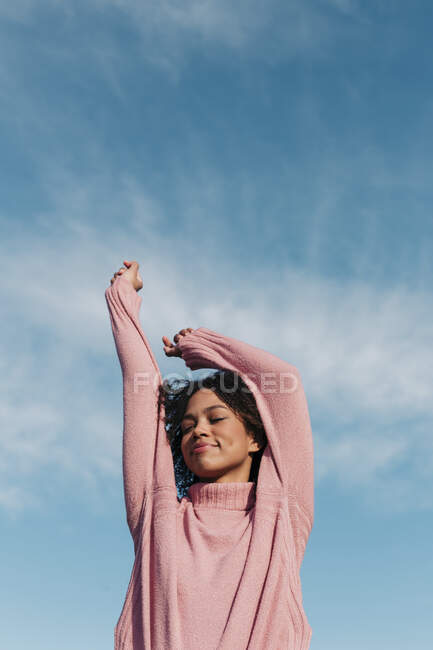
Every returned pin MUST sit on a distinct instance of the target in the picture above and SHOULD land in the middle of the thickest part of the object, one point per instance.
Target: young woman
(216, 566)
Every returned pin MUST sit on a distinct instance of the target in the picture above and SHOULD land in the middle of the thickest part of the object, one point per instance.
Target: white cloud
(15, 500)
(171, 32)
(365, 353)
(358, 456)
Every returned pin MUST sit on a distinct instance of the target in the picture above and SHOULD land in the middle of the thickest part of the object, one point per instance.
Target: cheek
(231, 440)
(235, 432)
(184, 444)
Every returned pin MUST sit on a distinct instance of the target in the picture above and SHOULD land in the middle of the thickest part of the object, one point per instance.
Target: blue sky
(269, 165)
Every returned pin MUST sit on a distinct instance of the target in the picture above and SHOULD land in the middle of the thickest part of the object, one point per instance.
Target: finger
(180, 334)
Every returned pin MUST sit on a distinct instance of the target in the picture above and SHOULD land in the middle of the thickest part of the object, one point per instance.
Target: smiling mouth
(202, 448)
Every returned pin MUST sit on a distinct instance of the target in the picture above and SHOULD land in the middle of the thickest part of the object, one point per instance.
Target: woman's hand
(131, 273)
(170, 349)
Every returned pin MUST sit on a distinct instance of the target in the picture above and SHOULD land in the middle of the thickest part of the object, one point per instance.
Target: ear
(254, 446)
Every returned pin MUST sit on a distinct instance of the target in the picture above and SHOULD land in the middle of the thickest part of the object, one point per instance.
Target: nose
(199, 433)
(200, 427)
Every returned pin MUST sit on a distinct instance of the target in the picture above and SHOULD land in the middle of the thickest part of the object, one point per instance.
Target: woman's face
(225, 458)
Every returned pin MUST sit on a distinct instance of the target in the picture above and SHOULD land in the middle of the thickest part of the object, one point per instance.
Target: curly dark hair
(229, 387)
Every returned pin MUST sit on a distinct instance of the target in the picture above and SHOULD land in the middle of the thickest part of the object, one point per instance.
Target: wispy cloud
(364, 348)
(365, 352)
(172, 32)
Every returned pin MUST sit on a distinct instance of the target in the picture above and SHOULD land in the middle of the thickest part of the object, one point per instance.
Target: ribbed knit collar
(224, 496)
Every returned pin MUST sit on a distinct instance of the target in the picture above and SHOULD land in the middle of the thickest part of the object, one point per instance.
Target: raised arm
(287, 463)
(147, 458)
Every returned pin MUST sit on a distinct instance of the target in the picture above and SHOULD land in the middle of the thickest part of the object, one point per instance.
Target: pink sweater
(219, 569)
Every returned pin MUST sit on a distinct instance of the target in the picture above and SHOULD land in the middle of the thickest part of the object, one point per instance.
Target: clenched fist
(130, 273)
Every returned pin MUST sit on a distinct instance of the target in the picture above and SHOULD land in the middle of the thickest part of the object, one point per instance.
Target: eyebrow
(189, 416)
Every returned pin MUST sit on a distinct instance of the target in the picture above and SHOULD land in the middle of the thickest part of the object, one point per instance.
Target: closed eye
(212, 420)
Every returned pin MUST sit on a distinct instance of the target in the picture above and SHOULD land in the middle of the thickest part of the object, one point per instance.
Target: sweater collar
(223, 496)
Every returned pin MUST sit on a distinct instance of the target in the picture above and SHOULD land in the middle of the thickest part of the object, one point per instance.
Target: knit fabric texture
(217, 569)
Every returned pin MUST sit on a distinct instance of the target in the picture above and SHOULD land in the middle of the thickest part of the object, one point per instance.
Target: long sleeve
(147, 457)
(287, 463)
